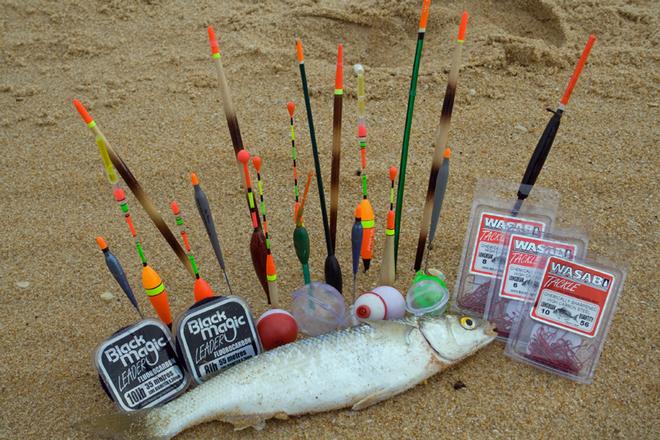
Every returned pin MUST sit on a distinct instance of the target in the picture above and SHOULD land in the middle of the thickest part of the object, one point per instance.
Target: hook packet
(562, 327)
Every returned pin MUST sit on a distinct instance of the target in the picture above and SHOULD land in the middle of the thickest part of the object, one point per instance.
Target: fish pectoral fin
(372, 399)
(241, 422)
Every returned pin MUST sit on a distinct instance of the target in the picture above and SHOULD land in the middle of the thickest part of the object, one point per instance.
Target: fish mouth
(490, 329)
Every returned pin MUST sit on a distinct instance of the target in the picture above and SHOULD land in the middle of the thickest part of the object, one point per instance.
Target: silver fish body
(355, 367)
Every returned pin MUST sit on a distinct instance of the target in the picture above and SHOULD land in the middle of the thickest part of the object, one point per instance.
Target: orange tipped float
(291, 107)
(368, 223)
(157, 294)
(299, 51)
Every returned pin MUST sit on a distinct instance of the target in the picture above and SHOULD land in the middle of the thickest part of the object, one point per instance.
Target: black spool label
(139, 366)
(215, 336)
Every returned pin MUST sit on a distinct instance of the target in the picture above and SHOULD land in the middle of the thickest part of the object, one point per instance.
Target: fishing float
(367, 211)
(118, 273)
(258, 242)
(271, 270)
(151, 281)
(387, 269)
(331, 267)
(107, 152)
(546, 140)
(276, 327)
(408, 125)
(300, 235)
(204, 210)
(336, 144)
(477, 299)
(291, 108)
(440, 189)
(440, 142)
(225, 95)
(230, 114)
(201, 288)
(356, 245)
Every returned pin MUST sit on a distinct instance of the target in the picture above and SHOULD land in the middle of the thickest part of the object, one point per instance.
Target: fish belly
(352, 368)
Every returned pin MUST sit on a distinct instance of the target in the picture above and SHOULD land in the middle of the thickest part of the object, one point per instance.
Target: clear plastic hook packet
(521, 260)
(492, 218)
(563, 326)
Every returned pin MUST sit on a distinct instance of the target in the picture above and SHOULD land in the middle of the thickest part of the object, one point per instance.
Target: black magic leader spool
(139, 368)
(214, 334)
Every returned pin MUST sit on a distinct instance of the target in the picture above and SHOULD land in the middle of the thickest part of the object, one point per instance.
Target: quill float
(440, 143)
(107, 152)
(331, 267)
(336, 145)
(548, 137)
(204, 211)
(408, 125)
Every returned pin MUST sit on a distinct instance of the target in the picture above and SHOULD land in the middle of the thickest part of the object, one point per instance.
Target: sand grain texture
(143, 69)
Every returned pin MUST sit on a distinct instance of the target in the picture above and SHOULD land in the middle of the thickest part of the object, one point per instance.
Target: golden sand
(143, 69)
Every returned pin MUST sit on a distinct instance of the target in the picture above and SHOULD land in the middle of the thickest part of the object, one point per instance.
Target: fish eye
(468, 323)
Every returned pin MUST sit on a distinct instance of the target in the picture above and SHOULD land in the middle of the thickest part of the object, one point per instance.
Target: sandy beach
(144, 71)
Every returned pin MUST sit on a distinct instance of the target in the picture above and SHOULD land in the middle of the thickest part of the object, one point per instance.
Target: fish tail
(121, 426)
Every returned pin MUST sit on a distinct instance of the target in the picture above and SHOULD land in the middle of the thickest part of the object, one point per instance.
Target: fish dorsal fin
(373, 399)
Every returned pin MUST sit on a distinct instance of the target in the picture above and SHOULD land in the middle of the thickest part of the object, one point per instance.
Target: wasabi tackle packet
(491, 220)
(518, 271)
(563, 326)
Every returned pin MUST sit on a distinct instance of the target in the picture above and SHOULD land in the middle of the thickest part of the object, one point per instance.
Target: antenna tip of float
(213, 41)
(393, 172)
(194, 179)
(256, 161)
(447, 153)
(358, 211)
(299, 51)
(425, 14)
(82, 111)
(119, 194)
(243, 157)
(291, 107)
(175, 208)
(102, 243)
(362, 130)
(358, 69)
(463, 26)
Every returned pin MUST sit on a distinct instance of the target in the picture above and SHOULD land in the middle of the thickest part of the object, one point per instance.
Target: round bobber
(383, 302)
(318, 308)
(277, 327)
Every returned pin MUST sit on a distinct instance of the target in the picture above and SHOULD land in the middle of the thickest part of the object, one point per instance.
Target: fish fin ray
(373, 399)
(244, 421)
(120, 426)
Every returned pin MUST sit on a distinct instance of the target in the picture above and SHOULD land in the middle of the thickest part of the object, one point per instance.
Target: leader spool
(139, 368)
(214, 334)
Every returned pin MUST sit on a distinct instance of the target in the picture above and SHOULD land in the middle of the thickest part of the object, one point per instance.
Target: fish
(352, 368)
(564, 312)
